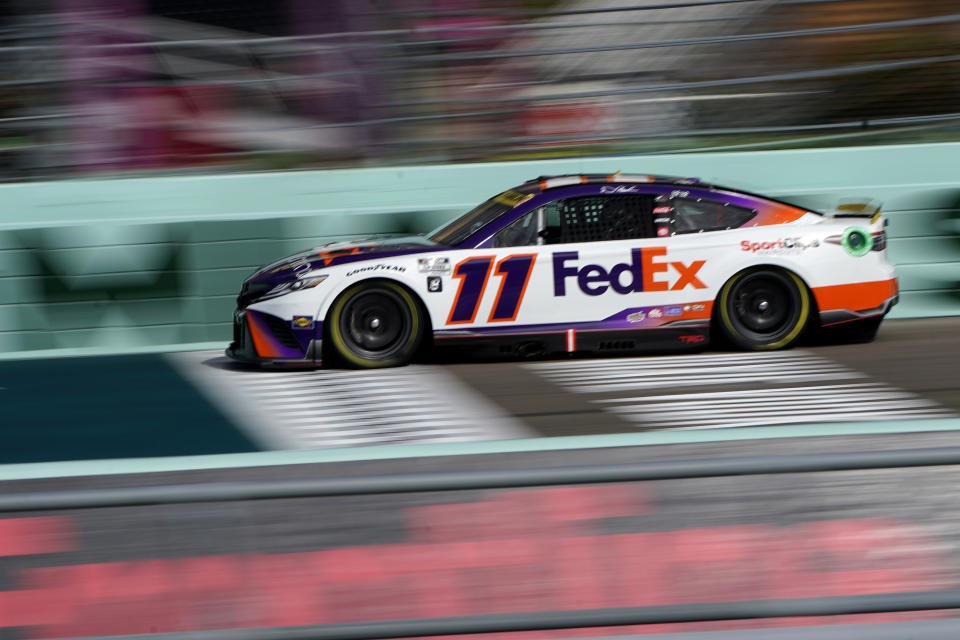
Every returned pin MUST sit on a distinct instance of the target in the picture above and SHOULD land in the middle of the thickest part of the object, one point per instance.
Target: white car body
(600, 295)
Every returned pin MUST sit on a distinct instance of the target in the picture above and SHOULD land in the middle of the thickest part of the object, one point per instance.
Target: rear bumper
(848, 302)
(832, 317)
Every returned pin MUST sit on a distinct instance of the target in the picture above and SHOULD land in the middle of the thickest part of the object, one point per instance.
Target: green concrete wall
(113, 265)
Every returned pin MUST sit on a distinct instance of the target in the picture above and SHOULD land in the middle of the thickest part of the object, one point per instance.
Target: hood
(335, 253)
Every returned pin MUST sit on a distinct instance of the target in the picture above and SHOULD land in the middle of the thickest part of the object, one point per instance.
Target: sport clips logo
(780, 245)
(643, 273)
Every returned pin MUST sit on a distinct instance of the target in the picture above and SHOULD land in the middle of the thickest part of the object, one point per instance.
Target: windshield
(455, 232)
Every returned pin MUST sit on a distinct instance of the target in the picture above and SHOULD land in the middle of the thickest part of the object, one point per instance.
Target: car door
(590, 259)
(599, 260)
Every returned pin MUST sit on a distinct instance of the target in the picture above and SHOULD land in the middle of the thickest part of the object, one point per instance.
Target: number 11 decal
(473, 273)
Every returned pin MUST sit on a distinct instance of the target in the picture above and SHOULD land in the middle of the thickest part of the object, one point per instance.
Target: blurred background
(155, 152)
(143, 87)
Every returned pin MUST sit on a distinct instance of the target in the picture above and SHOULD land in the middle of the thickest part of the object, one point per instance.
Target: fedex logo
(640, 274)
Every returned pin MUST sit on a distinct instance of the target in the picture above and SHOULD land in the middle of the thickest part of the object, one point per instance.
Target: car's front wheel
(375, 324)
(763, 309)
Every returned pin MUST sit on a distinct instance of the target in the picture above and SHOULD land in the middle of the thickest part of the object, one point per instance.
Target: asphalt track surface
(918, 356)
(153, 405)
(908, 373)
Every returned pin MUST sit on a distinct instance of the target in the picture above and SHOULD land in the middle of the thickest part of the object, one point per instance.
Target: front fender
(344, 283)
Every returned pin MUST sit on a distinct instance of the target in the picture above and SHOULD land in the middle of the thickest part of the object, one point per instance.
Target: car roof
(544, 183)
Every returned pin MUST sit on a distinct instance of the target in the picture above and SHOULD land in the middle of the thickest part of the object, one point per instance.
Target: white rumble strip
(792, 387)
(285, 410)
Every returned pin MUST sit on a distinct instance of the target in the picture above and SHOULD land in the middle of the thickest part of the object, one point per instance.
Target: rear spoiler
(858, 209)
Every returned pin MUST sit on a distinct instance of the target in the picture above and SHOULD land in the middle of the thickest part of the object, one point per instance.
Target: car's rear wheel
(375, 324)
(763, 309)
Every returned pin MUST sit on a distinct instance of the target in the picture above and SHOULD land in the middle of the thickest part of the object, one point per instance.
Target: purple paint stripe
(380, 255)
(304, 336)
(560, 327)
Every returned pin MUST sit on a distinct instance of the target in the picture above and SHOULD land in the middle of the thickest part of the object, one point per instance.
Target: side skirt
(573, 342)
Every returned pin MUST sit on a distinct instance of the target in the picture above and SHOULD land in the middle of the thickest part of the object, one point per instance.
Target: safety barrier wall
(283, 556)
(113, 264)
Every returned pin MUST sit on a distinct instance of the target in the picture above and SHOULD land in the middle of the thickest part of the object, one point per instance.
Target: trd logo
(594, 280)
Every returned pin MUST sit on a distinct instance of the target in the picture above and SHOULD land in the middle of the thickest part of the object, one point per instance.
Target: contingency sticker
(302, 322)
(433, 265)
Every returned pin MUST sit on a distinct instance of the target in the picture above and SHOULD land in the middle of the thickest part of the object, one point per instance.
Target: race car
(576, 264)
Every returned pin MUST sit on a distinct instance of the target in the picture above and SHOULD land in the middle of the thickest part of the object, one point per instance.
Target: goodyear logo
(644, 272)
(302, 322)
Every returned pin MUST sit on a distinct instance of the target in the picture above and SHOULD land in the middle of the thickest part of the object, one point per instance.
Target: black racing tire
(764, 309)
(375, 324)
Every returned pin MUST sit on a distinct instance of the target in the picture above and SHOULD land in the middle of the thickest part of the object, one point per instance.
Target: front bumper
(266, 340)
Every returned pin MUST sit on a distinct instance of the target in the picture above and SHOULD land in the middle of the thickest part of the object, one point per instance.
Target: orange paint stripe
(855, 297)
(260, 342)
(700, 315)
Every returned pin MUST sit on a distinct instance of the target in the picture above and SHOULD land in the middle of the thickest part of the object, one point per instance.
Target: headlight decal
(293, 285)
(307, 283)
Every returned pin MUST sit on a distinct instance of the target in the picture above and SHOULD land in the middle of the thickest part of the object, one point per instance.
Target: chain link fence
(133, 87)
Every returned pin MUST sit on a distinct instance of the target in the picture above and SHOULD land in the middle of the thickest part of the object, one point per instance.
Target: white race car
(576, 264)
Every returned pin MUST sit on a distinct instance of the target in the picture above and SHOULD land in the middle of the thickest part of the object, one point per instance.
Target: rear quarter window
(695, 215)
